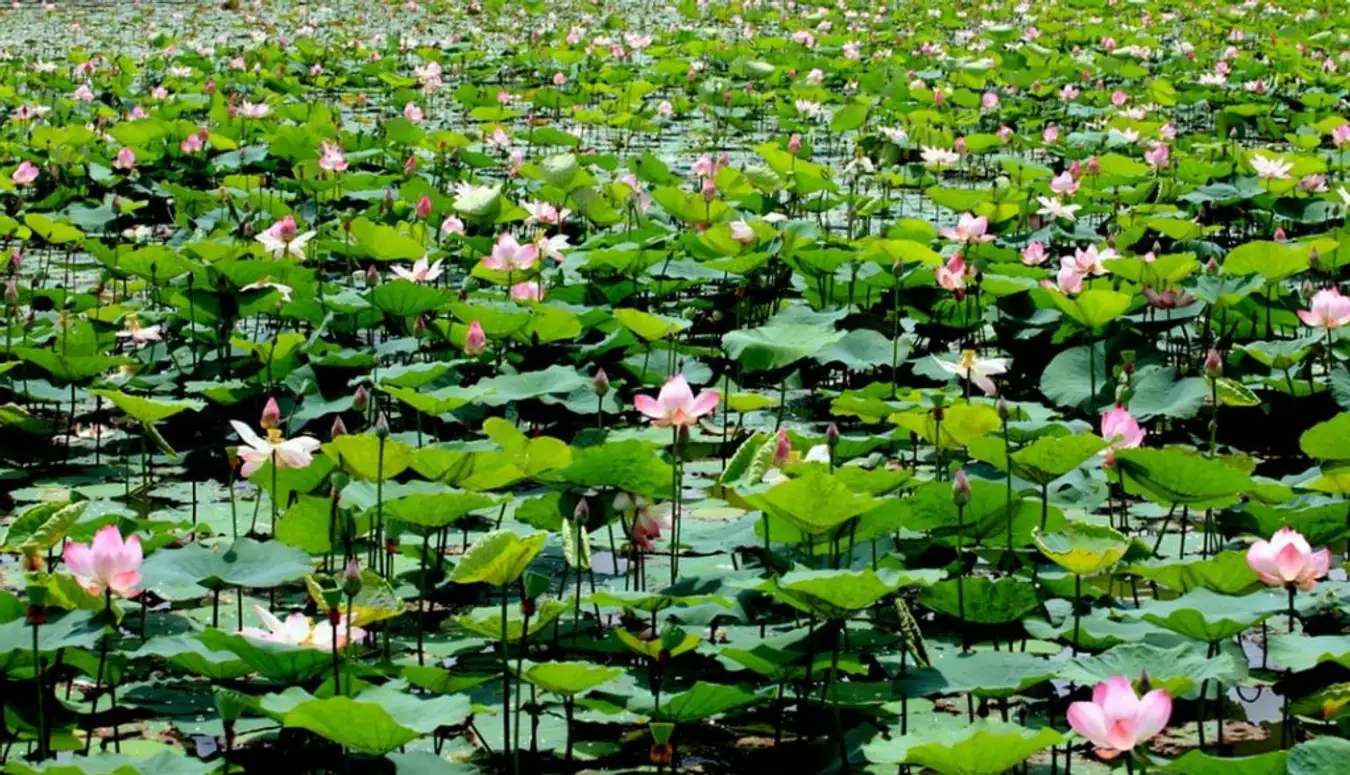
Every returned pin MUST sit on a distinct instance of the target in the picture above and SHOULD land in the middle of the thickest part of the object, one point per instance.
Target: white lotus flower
(1271, 169)
(1057, 209)
(978, 370)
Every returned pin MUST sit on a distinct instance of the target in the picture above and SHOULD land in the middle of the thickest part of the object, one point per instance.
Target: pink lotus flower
(559, 79)
(1051, 135)
(126, 159)
(1068, 280)
(1329, 310)
(543, 212)
(969, 229)
(1168, 299)
(1287, 560)
(527, 292)
(1091, 261)
(475, 341)
(248, 109)
(107, 563)
(1117, 719)
(952, 275)
(421, 271)
(332, 159)
(297, 630)
(705, 167)
(1034, 254)
(24, 174)
(1160, 158)
(1340, 135)
(511, 256)
(648, 520)
(140, 335)
(413, 113)
(989, 100)
(1122, 430)
(1064, 184)
(676, 404)
(637, 195)
(288, 453)
(193, 143)
(452, 225)
(283, 238)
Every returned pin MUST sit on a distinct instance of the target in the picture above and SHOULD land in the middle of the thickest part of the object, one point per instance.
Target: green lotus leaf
(498, 558)
(1083, 549)
(568, 679)
(361, 726)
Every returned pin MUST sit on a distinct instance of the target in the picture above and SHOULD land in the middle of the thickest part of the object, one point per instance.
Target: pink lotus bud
(783, 451)
(709, 189)
(339, 428)
(794, 144)
(351, 578)
(372, 276)
(600, 383)
(424, 207)
(1213, 364)
(1094, 166)
(582, 512)
(559, 79)
(961, 488)
(360, 399)
(832, 435)
(960, 145)
(1279, 234)
(271, 415)
(475, 342)
(382, 426)
(410, 166)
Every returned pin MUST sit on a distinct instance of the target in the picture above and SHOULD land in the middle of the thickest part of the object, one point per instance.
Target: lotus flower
(742, 233)
(1118, 422)
(969, 229)
(1287, 560)
(288, 453)
(511, 256)
(527, 292)
(648, 520)
(978, 370)
(107, 563)
(138, 334)
(676, 405)
(952, 275)
(543, 212)
(938, 158)
(1271, 169)
(1117, 719)
(332, 159)
(1057, 209)
(1329, 310)
(420, 272)
(297, 630)
(24, 174)
(283, 237)
(1034, 254)
(125, 160)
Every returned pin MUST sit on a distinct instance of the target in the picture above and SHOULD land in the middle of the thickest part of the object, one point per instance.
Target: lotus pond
(695, 386)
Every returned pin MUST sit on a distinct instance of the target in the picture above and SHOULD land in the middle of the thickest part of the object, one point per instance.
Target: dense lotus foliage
(699, 386)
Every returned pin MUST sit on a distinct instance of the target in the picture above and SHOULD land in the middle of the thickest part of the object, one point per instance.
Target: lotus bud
(1212, 267)
(419, 325)
(832, 436)
(794, 144)
(1314, 258)
(961, 489)
(600, 382)
(410, 166)
(271, 415)
(12, 290)
(582, 512)
(1094, 166)
(382, 426)
(783, 451)
(709, 189)
(1307, 289)
(424, 207)
(1213, 364)
(475, 342)
(372, 276)
(351, 578)
(339, 428)
(360, 399)
(1279, 234)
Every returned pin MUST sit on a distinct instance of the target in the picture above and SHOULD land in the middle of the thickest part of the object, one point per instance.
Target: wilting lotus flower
(969, 229)
(297, 630)
(1329, 310)
(283, 237)
(1117, 719)
(511, 256)
(676, 404)
(475, 341)
(1119, 424)
(107, 563)
(1287, 560)
(976, 369)
(420, 272)
(24, 174)
(952, 275)
(288, 453)
(648, 521)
